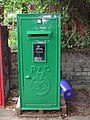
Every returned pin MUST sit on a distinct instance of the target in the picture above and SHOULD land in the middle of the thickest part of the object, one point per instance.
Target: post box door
(39, 59)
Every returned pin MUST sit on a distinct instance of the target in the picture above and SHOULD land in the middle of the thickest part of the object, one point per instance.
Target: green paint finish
(39, 61)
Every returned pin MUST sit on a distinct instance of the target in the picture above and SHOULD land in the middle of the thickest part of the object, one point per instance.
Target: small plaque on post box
(39, 52)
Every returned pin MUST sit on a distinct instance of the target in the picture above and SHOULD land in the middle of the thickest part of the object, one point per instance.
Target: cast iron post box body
(39, 61)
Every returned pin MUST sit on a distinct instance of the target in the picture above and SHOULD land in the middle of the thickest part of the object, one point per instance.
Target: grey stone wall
(75, 67)
(14, 70)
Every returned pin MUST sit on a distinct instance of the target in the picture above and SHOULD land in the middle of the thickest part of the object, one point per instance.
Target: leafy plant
(13, 38)
(75, 31)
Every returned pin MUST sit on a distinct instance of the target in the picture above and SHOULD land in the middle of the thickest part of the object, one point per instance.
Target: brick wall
(14, 70)
(75, 67)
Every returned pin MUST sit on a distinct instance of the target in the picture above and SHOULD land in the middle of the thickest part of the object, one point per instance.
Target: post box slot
(39, 34)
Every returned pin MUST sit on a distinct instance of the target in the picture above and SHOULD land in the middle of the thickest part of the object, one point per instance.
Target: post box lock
(28, 77)
(39, 21)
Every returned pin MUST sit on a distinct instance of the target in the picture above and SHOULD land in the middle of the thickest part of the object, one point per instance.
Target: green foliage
(11, 8)
(44, 7)
(75, 33)
(13, 38)
(88, 0)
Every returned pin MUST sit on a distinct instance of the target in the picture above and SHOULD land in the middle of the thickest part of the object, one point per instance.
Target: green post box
(39, 61)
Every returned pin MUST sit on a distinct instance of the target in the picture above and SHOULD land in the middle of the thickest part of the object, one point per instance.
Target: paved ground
(10, 114)
(79, 105)
(77, 118)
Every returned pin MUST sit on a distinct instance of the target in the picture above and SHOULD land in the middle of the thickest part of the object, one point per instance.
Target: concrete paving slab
(77, 118)
(10, 114)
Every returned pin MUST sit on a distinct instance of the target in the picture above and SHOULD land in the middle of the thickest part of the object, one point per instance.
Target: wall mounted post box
(39, 61)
